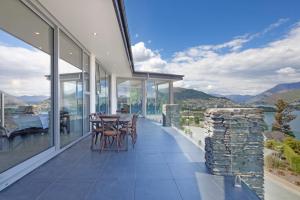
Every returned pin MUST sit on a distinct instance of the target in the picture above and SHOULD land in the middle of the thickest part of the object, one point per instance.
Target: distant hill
(200, 100)
(33, 99)
(11, 100)
(184, 94)
(289, 92)
(237, 98)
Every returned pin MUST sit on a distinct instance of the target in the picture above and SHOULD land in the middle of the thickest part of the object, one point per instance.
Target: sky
(221, 47)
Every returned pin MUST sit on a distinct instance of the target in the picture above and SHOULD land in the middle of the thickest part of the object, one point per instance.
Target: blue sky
(169, 36)
(173, 25)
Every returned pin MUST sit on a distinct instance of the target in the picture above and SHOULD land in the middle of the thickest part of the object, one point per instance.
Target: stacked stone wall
(235, 145)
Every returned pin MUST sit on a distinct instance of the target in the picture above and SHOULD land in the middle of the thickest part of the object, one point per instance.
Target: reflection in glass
(71, 91)
(25, 86)
(129, 95)
(102, 99)
(162, 96)
(157, 95)
(86, 102)
(151, 97)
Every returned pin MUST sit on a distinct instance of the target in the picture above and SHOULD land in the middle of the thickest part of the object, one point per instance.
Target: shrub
(293, 143)
(273, 162)
(272, 144)
(197, 120)
(292, 158)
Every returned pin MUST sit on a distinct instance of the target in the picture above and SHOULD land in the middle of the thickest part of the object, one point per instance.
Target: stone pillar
(235, 145)
(171, 115)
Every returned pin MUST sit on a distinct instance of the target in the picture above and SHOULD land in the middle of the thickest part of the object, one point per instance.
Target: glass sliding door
(26, 49)
(162, 96)
(86, 102)
(151, 97)
(102, 85)
(71, 90)
(157, 95)
(129, 93)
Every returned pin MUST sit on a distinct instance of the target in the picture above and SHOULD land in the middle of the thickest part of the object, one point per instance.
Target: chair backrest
(93, 116)
(109, 122)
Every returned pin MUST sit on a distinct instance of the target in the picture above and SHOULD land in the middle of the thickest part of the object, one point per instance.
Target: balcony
(163, 165)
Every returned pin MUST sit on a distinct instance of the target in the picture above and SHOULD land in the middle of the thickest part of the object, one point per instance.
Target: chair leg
(102, 143)
(112, 142)
(118, 142)
(96, 138)
(92, 143)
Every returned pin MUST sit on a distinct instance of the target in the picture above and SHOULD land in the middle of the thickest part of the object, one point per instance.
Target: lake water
(295, 124)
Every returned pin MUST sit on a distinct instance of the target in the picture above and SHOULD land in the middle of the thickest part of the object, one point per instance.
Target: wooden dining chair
(95, 128)
(130, 129)
(110, 130)
(133, 132)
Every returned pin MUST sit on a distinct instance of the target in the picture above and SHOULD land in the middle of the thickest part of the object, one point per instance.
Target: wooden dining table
(123, 121)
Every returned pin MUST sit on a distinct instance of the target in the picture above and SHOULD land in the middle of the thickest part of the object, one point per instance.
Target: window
(151, 97)
(71, 90)
(102, 85)
(25, 84)
(157, 95)
(129, 95)
(162, 96)
(86, 102)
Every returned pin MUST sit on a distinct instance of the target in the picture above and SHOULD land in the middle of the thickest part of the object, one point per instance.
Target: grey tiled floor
(162, 166)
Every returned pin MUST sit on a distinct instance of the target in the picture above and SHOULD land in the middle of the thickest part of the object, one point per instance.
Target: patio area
(161, 166)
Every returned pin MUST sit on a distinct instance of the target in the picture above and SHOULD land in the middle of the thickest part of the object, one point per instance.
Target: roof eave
(121, 15)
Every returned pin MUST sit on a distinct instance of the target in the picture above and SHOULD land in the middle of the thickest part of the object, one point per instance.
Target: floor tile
(156, 190)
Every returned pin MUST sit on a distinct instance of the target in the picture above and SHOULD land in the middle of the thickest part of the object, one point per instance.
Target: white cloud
(237, 70)
(145, 59)
(287, 71)
(23, 71)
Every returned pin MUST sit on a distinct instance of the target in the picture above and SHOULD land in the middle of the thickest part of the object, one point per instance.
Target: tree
(283, 117)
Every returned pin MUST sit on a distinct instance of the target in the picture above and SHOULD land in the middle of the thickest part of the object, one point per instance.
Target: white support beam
(2, 109)
(113, 94)
(144, 98)
(56, 90)
(171, 93)
(92, 83)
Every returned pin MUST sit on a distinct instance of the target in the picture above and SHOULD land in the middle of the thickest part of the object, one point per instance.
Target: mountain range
(185, 94)
(200, 100)
(32, 99)
(290, 92)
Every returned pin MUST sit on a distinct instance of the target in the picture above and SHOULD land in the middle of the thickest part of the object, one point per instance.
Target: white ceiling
(82, 19)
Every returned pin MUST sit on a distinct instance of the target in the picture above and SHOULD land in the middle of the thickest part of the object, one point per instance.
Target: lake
(295, 124)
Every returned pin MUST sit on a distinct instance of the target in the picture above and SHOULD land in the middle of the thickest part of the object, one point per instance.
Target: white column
(92, 83)
(113, 94)
(171, 93)
(144, 98)
(56, 90)
(2, 109)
